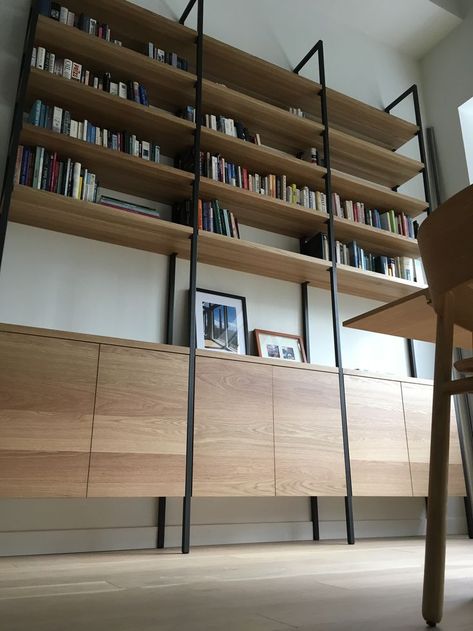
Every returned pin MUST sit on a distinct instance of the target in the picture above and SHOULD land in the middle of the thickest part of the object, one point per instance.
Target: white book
(67, 72)
(34, 56)
(419, 272)
(40, 166)
(76, 72)
(63, 15)
(151, 50)
(57, 119)
(80, 131)
(74, 131)
(145, 150)
(59, 67)
(71, 18)
(113, 88)
(85, 130)
(160, 55)
(76, 180)
(92, 26)
(98, 136)
(85, 179)
(40, 57)
(135, 146)
(67, 176)
(91, 184)
(213, 122)
(122, 90)
(105, 138)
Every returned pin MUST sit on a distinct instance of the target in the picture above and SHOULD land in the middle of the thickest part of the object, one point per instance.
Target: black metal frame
(319, 50)
(9, 173)
(187, 500)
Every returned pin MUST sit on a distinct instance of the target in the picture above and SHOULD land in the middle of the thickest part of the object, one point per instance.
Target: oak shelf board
(277, 127)
(375, 240)
(171, 133)
(371, 162)
(93, 339)
(372, 285)
(167, 86)
(263, 159)
(264, 212)
(367, 122)
(262, 260)
(375, 195)
(116, 170)
(50, 211)
(253, 359)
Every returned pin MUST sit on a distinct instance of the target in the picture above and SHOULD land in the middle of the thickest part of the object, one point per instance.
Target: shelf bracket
(187, 10)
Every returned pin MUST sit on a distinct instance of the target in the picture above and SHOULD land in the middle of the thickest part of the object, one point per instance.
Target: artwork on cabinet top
(273, 345)
(221, 322)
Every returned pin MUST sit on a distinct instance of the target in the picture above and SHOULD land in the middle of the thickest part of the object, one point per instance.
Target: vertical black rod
(9, 174)
(161, 522)
(423, 155)
(305, 318)
(171, 299)
(186, 511)
(314, 514)
(411, 354)
(334, 302)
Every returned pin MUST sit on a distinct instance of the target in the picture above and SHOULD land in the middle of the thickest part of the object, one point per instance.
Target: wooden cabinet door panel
(139, 436)
(234, 445)
(47, 390)
(308, 433)
(418, 410)
(377, 438)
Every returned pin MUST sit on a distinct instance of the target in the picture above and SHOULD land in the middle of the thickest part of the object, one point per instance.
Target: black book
(44, 7)
(55, 11)
(314, 246)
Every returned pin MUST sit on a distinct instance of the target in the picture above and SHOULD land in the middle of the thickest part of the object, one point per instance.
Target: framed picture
(280, 346)
(221, 322)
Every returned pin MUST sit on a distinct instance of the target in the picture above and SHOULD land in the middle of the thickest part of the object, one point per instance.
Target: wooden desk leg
(434, 568)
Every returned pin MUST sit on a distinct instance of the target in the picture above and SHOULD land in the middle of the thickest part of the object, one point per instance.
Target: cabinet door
(377, 437)
(418, 410)
(307, 433)
(234, 446)
(47, 389)
(139, 437)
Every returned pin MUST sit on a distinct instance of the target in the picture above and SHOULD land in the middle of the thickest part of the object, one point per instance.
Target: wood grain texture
(418, 412)
(139, 436)
(307, 433)
(234, 446)
(47, 389)
(377, 437)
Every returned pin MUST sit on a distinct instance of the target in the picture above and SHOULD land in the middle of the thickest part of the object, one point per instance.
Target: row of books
(390, 220)
(223, 124)
(43, 170)
(355, 256)
(60, 121)
(81, 21)
(43, 59)
(217, 168)
(165, 57)
(211, 217)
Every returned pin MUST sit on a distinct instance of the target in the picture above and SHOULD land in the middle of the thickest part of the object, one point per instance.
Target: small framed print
(221, 322)
(274, 345)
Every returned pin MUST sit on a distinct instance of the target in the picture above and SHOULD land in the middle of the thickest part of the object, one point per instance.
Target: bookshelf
(358, 144)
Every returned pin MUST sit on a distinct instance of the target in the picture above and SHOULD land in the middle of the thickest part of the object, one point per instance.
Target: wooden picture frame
(273, 345)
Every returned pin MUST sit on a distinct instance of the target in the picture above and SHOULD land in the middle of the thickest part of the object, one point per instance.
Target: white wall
(64, 282)
(465, 112)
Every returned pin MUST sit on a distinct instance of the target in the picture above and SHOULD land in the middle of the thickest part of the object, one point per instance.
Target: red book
(199, 215)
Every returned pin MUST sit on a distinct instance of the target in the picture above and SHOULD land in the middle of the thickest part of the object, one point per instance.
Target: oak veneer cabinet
(307, 433)
(378, 445)
(418, 413)
(139, 434)
(47, 391)
(234, 445)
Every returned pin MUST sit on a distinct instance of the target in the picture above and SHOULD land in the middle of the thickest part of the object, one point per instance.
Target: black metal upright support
(9, 174)
(186, 512)
(187, 10)
(319, 50)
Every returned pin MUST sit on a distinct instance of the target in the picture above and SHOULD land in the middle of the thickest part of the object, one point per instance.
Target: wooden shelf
(375, 240)
(171, 133)
(167, 86)
(262, 211)
(375, 195)
(95, 221)
(372, 285)
(116, 170)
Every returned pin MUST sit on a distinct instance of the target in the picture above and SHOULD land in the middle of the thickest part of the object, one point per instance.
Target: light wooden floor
(372, 586)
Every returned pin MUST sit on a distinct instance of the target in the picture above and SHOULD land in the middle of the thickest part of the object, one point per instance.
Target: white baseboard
(107, 539)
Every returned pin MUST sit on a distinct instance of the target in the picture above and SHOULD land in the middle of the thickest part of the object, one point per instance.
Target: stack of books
(45, 171)
(60, 121)
(81, 21)
(223, 124)
(211, 217)
(139, 209)
(43, 59)
(164, 57)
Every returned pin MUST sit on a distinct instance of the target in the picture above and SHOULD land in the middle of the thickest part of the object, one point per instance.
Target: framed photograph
(280, 346)
(221, 322)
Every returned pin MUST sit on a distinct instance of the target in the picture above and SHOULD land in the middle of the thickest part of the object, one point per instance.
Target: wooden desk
(410, 317)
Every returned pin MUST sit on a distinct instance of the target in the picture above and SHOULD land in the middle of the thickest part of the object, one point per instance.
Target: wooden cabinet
(234, 446)
(377, 437)
(139, 436)
(47, 390)
(418, 410)
(307, 433)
